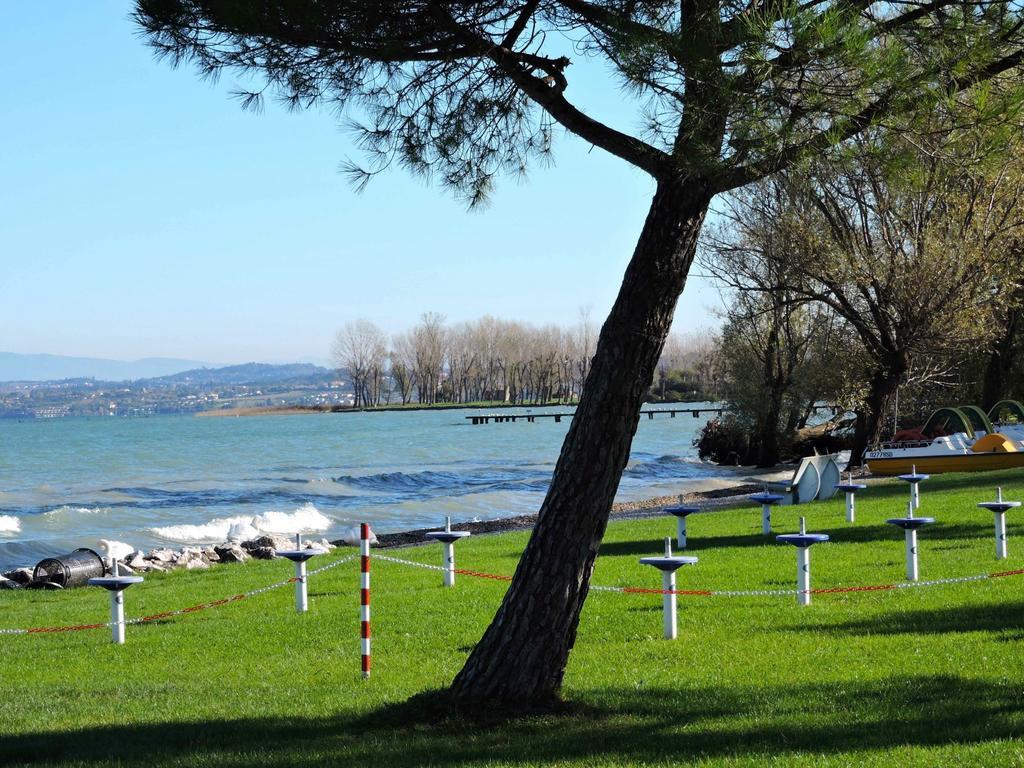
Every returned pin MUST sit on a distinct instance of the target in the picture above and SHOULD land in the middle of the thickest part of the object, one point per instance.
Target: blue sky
(143, 213)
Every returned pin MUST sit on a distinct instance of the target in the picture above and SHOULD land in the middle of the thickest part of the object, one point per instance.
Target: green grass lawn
(930, 676)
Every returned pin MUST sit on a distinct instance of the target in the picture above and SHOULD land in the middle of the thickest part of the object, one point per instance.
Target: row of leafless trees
(493, 360)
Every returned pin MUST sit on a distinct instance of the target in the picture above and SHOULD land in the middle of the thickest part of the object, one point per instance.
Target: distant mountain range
(21, 367)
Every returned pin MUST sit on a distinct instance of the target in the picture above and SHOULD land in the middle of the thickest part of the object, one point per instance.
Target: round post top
(802, 539)
(767, 498)
(910, 523)
(446, 537)
(681, 510)
(300, 555)
(999, 506)
(849, 487)
(914, 477)
(115, 583)
(668, 562)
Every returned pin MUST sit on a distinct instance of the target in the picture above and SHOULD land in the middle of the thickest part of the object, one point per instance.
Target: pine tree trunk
(521, 659)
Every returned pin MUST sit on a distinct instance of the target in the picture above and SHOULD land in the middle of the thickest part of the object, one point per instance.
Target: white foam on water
(9, 525)
(305, 519)
(212, 531)
(69, 510)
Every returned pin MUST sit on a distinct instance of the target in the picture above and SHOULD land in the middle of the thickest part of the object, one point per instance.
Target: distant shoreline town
(431, 367)
(249, 386)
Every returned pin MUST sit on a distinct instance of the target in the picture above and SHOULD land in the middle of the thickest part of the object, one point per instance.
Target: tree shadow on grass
(1010, 480)
(996, 617)
(631, 726)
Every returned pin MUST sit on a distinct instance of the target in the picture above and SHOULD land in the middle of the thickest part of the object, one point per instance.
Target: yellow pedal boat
(963, 439)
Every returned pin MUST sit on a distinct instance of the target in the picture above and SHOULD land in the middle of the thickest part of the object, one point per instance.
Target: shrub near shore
(928, 676)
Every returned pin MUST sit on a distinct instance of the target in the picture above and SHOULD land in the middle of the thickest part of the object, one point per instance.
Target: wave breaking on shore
(305, 519)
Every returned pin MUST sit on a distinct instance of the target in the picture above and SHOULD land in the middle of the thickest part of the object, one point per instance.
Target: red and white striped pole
(364, 610)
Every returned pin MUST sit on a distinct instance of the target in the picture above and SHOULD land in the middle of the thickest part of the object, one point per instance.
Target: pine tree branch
(845, 129)
(547, 92)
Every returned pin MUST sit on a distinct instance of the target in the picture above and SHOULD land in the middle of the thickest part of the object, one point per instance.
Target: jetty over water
(501, 418)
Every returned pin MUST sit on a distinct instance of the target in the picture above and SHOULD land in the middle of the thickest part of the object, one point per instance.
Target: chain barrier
(179, 611)
(731, 592)
(442, 569)
(499, 577)
(400, 561)
(328, 567)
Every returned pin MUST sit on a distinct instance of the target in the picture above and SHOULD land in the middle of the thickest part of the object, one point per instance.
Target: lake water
(175, 480)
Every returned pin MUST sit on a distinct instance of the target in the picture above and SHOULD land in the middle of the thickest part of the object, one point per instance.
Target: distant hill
(247, 373)
(19, 367)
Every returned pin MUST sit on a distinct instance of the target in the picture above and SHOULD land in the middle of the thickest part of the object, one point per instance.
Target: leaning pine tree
(728, 92)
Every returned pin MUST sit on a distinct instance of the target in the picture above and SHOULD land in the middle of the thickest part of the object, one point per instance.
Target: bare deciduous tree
(909, 261)
(429, 340)
(360, 348)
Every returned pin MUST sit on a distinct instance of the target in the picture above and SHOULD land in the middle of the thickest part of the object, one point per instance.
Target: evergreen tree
(728, 91)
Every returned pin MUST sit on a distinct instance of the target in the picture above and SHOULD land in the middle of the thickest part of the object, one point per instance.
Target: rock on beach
(266, 545)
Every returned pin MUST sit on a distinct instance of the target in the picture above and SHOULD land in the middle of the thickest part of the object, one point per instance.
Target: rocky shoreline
(265, 546)
(627, 510)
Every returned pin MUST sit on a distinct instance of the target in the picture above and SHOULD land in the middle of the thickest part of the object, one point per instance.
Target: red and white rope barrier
(463, 571)
(177, 612)
(364, 596)
(734, 592)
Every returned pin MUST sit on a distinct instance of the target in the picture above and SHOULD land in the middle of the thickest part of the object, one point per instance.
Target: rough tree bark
(523, 654)
(871, 416)
(768, 430)
(1001, 360)
(768, 437)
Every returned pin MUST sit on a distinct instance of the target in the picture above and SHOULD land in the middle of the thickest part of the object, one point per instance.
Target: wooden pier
(501, 418)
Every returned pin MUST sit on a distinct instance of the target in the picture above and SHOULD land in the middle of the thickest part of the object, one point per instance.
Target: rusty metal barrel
(70, 570)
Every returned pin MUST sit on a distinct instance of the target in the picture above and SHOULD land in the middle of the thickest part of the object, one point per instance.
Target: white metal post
(1000, 535)
(668, 564)
(766, 519)
(850, 511)
(1000, 527)
(117, 616)
(301, 595)
(681, 531)
(668, 603)
(449, 563)
(803, 575)
(911, 546)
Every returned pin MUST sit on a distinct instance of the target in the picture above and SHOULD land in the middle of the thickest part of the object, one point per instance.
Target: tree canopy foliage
(913, 246)
(726, 91)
